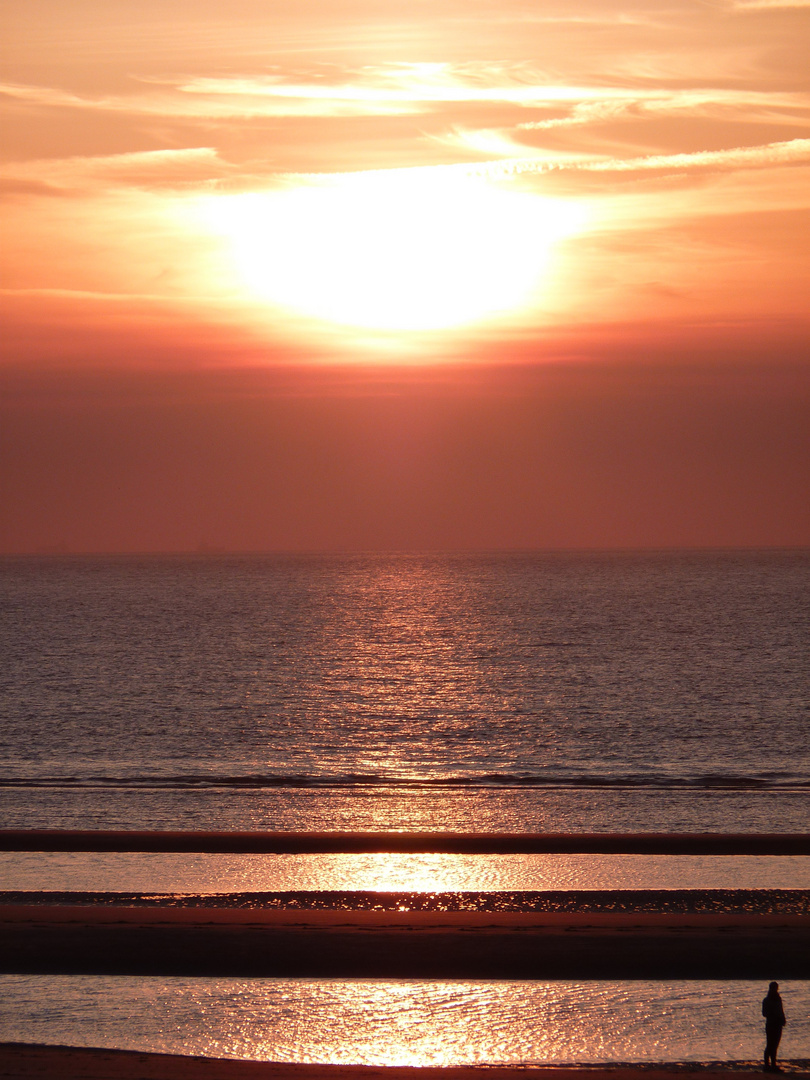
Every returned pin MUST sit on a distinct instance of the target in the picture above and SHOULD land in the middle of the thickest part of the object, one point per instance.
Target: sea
(492, 693)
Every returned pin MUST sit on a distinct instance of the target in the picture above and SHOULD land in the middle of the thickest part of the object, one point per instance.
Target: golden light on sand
(400, 250)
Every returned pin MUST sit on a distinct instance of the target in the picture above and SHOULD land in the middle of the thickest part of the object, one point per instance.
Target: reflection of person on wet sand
(774, 1022)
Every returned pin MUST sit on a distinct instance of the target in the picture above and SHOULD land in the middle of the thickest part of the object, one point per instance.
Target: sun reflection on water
(404, 1022)
(393, 872)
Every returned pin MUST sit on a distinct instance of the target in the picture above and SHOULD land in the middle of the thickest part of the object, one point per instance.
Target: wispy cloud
(154, 168)
(415, 87)
(759, 5)
(370, 91)
(202, 166)
(398, 89)
(790, 152)
(732, 161)
(225, 100)
(154, 161)
(403, 89)
(720, 103)
(409, 85)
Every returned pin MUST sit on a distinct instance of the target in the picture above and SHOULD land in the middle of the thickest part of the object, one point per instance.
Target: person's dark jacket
(772, 1010)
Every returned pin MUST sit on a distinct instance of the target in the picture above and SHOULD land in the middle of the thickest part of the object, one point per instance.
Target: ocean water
(500, 693)
(505, 692)
(435, 874)
(406, 1022)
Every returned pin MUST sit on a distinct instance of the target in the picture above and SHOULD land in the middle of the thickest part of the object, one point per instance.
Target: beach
(80, 1063)
(215, 940)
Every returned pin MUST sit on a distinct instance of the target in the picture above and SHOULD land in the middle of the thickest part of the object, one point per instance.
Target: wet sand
(208, 939)
(21, 1061)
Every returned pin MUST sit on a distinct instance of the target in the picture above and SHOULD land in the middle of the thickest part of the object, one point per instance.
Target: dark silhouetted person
(774, 1022)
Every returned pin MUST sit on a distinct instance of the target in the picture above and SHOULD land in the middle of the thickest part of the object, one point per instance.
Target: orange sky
(388, 274)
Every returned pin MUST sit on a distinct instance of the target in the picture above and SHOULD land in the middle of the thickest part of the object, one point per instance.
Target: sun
(397, 250)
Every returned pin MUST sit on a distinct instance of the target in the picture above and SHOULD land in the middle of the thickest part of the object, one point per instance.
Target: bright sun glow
(419, 249)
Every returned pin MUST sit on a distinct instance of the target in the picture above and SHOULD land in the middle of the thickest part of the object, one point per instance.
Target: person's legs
(773, 1034)
(777, 1037)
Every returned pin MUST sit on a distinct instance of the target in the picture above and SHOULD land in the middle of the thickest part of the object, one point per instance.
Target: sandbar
(441, 842)
(143, 939)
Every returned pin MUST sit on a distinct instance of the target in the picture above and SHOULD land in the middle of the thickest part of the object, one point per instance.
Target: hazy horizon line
(214, 551)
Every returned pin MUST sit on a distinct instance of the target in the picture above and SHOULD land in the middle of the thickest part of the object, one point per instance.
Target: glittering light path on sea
(385, 1023)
